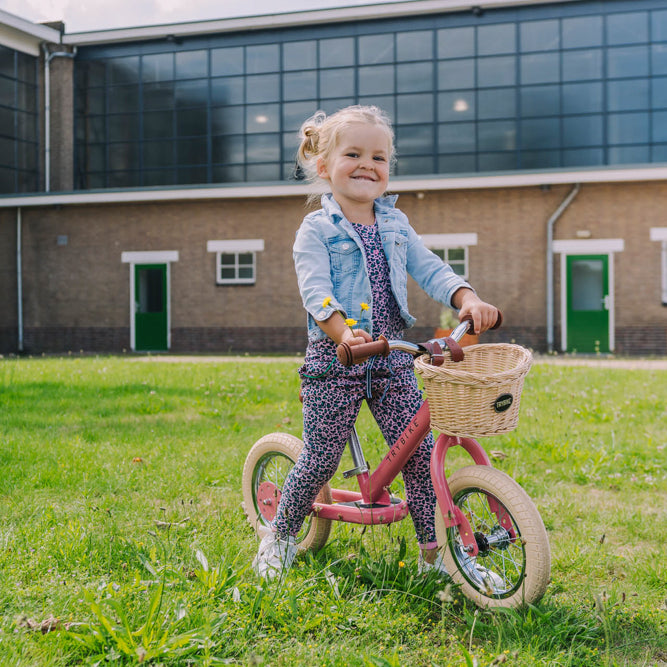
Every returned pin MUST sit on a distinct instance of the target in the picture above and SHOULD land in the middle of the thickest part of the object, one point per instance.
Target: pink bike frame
(373, 504)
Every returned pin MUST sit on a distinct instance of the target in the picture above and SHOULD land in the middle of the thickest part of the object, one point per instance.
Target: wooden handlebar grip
(352, 354)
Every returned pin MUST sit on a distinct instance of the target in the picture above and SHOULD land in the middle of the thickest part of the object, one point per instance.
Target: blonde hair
(320, 134)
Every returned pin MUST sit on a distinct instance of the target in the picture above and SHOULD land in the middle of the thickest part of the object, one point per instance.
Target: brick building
(148, 199)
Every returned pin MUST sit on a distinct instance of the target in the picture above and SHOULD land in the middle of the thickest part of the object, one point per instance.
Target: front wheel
(513, 566)
(264, 472)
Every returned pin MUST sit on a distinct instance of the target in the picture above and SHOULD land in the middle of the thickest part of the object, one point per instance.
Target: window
(235, 261)
(451, 248)
(660, 234)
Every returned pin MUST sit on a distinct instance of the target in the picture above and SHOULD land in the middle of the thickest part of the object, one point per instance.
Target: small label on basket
(503, 402)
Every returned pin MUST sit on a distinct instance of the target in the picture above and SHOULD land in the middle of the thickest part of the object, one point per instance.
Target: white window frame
(447, 242)
(660, 234)
(235, 247)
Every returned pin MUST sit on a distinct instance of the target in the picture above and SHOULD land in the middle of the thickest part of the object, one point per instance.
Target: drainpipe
(19, 281)
(48, 57)
(550, 262)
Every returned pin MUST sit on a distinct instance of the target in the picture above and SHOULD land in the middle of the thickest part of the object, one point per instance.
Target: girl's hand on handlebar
(483, 315)
(356, 337)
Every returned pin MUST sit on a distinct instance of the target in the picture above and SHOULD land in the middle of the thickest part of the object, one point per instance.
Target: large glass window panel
(659, 93)
(539, 133)
(337, 52)
(263, 118)
(386, 102)
(191, 93)
(26, 154)
(628, 94)
(263, 172)
(191, 64)
(299, 85)
(7, 152)
(157, 67)
(262, 58)
(123, 70)
(124, 179)
(334, 104)
(158, 154)
(158, 124)
(191, 122)
(192, 151)
(7, 179)
(496, 103)
(123, 156)
(659, 153)
(583, 157)
(628, 128)
(497, 161)
(495, 39)
(628, 154)
(540, 35)
(336, 82)
(659, 127)
(300, 55)
(456, 106)
(628, 61)
(453, 74)
(539, 100)
(262, 88)
(414, 77)
(295, 113)
(96, 128)
(456, 164)
(123, 127)
(582, 32)
(499, 71)
(158, 96)
(228, 149)
(456, 42)
(228, 90)
(94, 100)
(414, 109)
(6, 121)
(583, 131)
(26, 68)
(8, 91)
(123, 98)
(582, 65)
(456, 138)
(26, 126)
(627, 28)
(263, 148)
(406, 166)
(414, 45)
(376, 80)
(497, 135)
(582, 97)
(229, 174)
(658, 22)
(415, 140)
(541, 159)
(659, 59)
(540, 68)
(227, 61)
(376, 49)
(192, 175)
(154, 177)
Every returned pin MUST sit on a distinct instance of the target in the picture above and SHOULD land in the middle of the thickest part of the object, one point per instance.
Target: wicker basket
(480, 395)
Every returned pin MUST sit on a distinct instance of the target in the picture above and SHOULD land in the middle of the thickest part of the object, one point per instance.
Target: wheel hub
(268, 497)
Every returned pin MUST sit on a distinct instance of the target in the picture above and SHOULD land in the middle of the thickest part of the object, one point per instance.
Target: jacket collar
(383, 206)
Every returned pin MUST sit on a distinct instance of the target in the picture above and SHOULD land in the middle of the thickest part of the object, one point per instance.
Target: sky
(83, 15)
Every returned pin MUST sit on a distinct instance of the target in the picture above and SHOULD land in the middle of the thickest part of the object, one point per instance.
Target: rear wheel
(264, 472)
(513, 566)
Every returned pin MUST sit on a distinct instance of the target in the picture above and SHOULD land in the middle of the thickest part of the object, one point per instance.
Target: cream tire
(268, 462)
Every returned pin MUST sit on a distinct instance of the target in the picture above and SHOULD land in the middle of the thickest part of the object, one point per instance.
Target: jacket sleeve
(433, 275)
(313, 272)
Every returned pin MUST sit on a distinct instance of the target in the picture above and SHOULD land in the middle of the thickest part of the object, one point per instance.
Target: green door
(150, 298)
(588, 303)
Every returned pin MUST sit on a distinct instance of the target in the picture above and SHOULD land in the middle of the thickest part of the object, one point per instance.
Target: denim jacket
(330, 262)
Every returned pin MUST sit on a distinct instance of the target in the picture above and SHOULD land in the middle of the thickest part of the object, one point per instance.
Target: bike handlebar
(348, 355)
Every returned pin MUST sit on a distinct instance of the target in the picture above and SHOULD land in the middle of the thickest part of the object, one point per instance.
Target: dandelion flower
(350, 322)
(364, 305)
(401, 563)
(326, 302)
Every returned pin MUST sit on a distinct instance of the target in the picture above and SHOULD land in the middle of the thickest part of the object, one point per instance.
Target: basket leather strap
(455, 349)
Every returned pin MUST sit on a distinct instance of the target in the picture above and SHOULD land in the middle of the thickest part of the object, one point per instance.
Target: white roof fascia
(25, 36)
(412, 184)
(287, 19)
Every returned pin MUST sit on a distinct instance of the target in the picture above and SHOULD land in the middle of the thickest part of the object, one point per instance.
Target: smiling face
(357, 169)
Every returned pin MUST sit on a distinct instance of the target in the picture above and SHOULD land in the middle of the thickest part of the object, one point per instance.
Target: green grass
(121, 527)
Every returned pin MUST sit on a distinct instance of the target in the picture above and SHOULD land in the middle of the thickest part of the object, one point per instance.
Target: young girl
(352, 258)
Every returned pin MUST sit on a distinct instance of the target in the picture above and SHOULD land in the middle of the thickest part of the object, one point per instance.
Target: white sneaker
(274, 555)
(438, 567)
